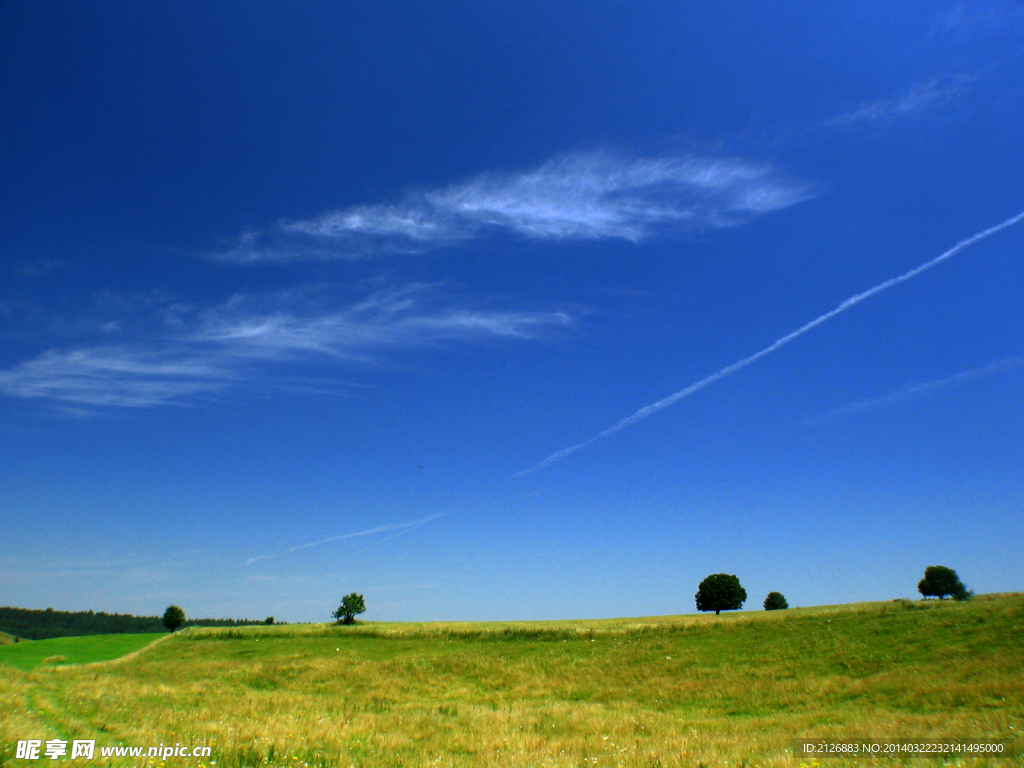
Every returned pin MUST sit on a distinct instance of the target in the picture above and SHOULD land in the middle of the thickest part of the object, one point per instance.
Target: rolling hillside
(668, 691)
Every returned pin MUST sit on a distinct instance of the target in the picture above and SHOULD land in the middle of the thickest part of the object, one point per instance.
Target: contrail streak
(397, 529)
(918, 389)
(369, 532)
(652, 409)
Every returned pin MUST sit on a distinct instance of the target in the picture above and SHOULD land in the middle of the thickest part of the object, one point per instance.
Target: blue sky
(304, 299)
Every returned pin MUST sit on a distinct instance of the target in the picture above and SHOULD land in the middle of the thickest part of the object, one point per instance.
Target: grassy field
(672, 691)
(30, 654)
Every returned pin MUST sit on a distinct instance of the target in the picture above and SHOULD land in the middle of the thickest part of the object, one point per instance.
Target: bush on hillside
(775, 602)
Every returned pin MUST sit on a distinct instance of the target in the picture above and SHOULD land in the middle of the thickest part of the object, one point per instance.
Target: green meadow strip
(59, 651)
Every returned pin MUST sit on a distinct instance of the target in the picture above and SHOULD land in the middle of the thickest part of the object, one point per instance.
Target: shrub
(775, 602)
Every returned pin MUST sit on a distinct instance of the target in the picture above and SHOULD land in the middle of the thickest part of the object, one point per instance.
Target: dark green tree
(775, 602)
(350, 606)
(174, 617)
(940, 581)
(720, 592)
(269, 620)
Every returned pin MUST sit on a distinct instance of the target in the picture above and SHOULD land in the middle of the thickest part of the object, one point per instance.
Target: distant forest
(40, 625)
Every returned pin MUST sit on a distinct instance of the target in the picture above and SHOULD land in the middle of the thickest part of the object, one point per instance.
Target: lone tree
(775, 602)
(720, 592)
(350, 606)
(940, 581)
(174, 617)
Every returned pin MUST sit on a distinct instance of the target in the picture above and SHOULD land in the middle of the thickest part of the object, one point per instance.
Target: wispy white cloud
(579, 196)
(915, 100)
(402, 587)
(40, 267)
(386, 319)
(125, 376)
(202, 353)
(918, 390)
(965, 20)
(122, 570)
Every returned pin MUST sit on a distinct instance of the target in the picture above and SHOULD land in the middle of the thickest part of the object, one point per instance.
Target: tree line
(31, 624)
(722, 591)
(718, 592)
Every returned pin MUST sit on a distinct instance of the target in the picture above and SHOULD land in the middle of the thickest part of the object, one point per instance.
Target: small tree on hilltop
(940, 581)
(720, 592)
(174, 617)
(775, 602)
(350, 606)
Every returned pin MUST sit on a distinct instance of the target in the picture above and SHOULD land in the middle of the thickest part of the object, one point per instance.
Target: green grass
(638, 693)
(29, 654)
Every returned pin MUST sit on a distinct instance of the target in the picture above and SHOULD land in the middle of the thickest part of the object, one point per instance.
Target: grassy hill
(668, 691)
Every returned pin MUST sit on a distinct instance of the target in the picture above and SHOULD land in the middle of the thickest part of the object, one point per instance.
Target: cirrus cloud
(578, 196)
(204, 352)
